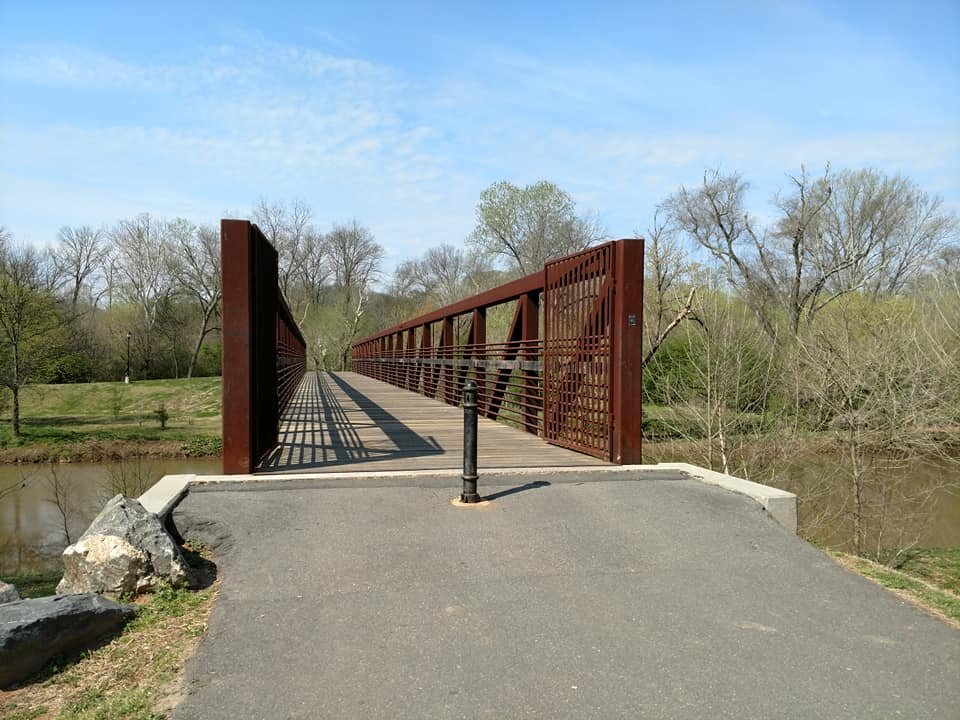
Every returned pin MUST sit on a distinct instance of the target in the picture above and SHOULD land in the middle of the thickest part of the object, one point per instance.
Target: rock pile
(126, 550)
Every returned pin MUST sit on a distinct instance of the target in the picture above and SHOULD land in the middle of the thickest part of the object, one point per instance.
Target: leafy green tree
(528, 226)
(29, 323)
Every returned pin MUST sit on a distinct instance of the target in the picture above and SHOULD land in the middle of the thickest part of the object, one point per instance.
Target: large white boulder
(125, 550)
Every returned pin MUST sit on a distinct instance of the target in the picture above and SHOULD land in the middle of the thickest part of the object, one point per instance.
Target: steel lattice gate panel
(575, 379)
(577, 369)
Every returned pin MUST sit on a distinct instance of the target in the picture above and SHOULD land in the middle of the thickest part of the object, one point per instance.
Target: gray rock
(125, 550)
(34, 631)
(8, 593)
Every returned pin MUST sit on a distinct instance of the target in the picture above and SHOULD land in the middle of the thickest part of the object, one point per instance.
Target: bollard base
(469, 497)
(479, 505)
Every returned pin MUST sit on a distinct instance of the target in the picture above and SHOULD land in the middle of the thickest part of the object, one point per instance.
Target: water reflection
(916, 503)
(35, 498)
(32, 535)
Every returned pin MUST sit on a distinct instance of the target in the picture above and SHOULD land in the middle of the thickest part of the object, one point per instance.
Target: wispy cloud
(409, 153)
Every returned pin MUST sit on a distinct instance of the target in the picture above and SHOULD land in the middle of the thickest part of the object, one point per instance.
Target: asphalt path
(643, 598)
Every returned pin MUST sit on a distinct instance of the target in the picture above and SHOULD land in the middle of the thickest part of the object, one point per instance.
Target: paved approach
(583, 598)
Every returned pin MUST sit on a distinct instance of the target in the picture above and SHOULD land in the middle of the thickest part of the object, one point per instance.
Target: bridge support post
(250, 413)
(627, 356)
(470, 494)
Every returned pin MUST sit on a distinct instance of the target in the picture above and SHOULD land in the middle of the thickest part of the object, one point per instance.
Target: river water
(32, 534)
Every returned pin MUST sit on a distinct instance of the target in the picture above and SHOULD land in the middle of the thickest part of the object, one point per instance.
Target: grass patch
(65, 421)
(938, 566)
(133, 677)
(34, 585)
(12, 711)
(203, 447)
(927, 591)
(165, 603)
(95, 705)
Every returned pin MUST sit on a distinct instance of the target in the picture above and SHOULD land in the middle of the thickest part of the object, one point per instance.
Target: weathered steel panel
(235, 261)
(627, 380)
(264, 353)
(578, 412)
(578, 386)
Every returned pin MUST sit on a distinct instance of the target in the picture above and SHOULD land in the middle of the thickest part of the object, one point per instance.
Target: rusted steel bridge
(556, 356)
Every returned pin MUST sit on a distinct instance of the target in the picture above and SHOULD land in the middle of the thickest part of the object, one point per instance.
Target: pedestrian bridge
(346, 422)
(565, 370)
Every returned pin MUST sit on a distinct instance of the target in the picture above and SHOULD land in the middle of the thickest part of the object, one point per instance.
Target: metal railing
(264, 353)
(567, 367)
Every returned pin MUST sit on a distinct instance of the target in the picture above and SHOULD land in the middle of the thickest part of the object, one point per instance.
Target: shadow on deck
(318, 431)
(343, 422)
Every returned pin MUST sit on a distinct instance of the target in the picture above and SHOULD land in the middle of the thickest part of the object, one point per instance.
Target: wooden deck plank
(340, 422)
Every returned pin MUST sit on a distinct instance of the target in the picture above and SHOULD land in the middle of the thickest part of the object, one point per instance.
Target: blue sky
(401, 116)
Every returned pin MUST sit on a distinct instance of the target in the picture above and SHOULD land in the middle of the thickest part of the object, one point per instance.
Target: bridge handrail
(489, 298)
(577, 386)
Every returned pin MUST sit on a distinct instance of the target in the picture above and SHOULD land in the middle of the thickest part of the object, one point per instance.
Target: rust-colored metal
(578, 386)
(627, 341)
(532, 283)
(264, 353)
(237, 372)
(578, 351)
(291, 355)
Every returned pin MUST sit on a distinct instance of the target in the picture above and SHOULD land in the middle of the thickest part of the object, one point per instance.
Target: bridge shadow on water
(319, 431)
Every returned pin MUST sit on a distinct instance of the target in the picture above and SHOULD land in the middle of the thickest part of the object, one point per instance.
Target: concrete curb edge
(163, 497)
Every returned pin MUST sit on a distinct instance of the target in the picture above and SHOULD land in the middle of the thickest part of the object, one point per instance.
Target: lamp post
(126, 378)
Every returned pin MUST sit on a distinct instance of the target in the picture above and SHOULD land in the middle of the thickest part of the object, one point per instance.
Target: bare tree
(886, 225)
(315, 270)
(78, 258)
(355, 257)
(142, 259)
(195, 266)
(29, 323)
(945, 303)
(61, 496)
(766, 266)
(834, 235)
(723, 372)
(664, 309)
(130, 476)
(288, 229)
(445, 274)
(888, 401)
(528, 226)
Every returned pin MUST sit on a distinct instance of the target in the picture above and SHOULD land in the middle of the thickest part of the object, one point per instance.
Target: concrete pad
(663, 598)
(782, 505)
(170, 490)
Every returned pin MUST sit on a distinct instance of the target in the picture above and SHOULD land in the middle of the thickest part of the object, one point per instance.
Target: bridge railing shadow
(317, 432)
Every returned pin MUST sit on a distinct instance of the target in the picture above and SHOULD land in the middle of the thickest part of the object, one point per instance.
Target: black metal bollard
(470, 494)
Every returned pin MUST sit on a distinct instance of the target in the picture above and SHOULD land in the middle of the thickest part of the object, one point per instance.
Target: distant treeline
(837, 313)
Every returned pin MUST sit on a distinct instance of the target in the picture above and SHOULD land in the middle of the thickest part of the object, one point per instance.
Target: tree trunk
(858, 500)
(204, 330)
(15, 391)
(16, 410)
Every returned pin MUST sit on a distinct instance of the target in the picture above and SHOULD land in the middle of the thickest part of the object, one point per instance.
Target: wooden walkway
(344, 422)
